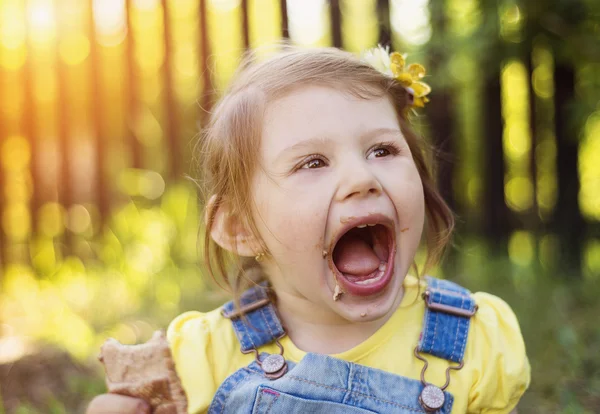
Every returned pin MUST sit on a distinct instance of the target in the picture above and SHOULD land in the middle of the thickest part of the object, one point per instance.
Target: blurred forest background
(100, 103)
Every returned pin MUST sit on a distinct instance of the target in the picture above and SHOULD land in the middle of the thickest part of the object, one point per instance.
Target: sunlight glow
(42, 21)
(110, 21)
(309, 22)
(410, 20)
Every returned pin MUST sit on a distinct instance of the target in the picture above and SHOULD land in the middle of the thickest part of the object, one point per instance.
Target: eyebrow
(311, 142)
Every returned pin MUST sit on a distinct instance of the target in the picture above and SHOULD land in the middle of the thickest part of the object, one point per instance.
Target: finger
(117, 404)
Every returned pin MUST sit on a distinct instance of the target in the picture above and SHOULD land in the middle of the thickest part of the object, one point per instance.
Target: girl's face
(338, 200)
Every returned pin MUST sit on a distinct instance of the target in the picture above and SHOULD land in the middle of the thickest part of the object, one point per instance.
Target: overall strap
(449, 308)
(255, 322)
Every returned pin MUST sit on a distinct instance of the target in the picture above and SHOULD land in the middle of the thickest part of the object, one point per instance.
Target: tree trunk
(568, 221)
(495, 215)
(335, 16)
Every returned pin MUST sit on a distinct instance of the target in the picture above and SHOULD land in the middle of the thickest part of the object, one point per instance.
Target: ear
(229, 231)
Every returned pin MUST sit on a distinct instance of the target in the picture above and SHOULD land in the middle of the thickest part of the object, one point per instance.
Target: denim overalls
(327, 385)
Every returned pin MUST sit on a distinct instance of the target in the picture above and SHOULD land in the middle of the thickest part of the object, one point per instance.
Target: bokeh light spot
(521, 248)
(519, 193)
(74, 48)
(151, 185)
(591, 259)
(16, 222)
(79, 219)
(51, 220)
(589, 168)
(15, 153)
(543, 81)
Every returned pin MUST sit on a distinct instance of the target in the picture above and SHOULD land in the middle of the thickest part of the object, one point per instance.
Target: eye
(383, 150)
(380, 152)
(313, 164)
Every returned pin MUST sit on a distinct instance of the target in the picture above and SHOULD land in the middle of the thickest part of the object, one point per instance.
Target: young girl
(314, 175)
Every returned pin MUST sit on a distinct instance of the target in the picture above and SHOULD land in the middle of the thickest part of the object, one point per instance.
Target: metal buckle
(432, 397)
(448, 309)
(245, 309)
(274, 366)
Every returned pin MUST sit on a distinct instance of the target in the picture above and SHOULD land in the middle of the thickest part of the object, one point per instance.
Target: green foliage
(142, 273)
(556, 313)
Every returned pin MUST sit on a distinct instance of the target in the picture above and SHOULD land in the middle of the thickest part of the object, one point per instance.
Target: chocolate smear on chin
(337, 292)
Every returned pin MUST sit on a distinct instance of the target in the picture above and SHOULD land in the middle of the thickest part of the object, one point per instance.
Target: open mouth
(363, 257)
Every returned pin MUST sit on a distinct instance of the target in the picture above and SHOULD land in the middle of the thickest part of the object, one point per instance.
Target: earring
(259, 257)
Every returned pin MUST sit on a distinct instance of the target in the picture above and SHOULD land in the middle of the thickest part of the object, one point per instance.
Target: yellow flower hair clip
(394, 66)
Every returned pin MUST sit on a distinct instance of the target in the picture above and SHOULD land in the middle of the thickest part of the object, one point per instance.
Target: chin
(370, 308)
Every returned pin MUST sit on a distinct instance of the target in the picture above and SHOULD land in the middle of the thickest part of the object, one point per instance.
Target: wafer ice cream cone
(145, 371)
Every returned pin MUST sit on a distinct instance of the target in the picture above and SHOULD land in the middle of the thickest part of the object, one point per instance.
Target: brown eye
(381, 152)
(315, 163)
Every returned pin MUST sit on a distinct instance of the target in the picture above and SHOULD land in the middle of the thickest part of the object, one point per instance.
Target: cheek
(289, 221)
(407, 192)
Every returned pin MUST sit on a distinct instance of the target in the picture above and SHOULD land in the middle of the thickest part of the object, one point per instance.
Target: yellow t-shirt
(495, 375)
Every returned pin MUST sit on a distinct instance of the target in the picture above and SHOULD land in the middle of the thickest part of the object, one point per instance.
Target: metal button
(274, 366)
(272, 363)
(432, 398)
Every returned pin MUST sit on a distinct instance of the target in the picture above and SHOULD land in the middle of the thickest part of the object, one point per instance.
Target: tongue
(354, 256)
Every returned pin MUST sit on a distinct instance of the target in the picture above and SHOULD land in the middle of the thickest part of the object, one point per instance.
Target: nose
(357, 181)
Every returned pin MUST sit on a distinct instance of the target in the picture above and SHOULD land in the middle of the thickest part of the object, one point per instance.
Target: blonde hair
(228, 147)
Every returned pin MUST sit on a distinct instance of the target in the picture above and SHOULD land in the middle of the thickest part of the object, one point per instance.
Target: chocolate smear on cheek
(319, 246)
(337, 291)
(404, 229)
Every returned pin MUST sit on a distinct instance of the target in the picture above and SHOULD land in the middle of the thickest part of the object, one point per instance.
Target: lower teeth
(371, 280)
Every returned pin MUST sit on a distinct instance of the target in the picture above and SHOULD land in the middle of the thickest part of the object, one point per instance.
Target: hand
(117, 404)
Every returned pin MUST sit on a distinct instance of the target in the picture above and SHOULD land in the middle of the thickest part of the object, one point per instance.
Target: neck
(313, 329)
